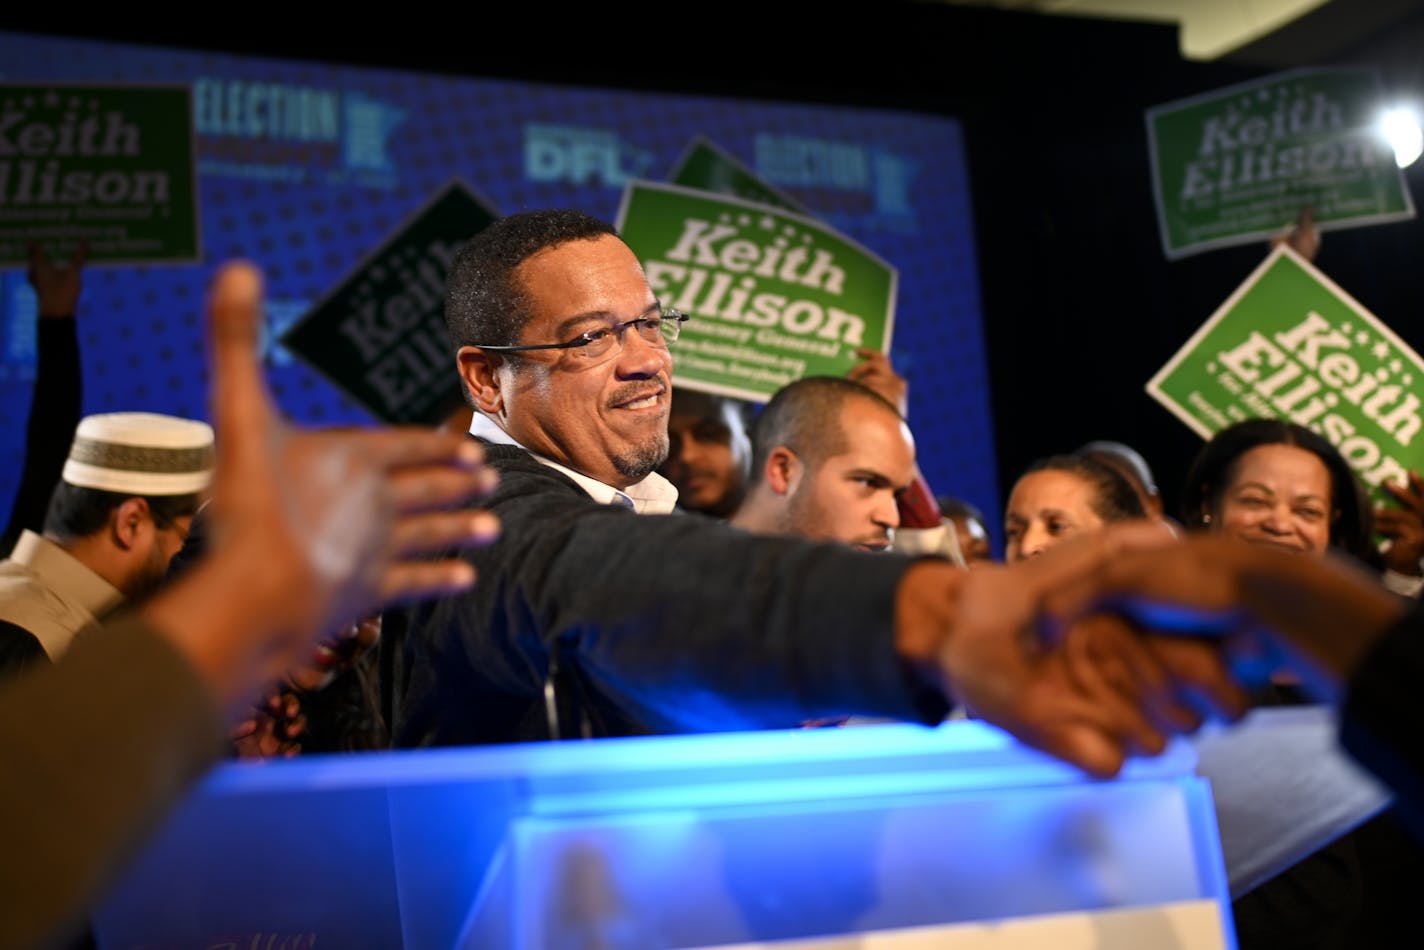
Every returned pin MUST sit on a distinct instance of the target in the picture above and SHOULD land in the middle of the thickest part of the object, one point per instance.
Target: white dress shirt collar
(653, 495)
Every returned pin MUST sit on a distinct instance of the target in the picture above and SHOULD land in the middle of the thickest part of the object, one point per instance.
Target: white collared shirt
(653, 495)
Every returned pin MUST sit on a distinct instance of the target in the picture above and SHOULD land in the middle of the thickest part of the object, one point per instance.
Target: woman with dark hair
(1269, 481)
(1062, 495)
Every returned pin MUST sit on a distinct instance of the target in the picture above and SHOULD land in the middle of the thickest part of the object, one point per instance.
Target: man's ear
(127, 521)
(480, 371)
(783, 470)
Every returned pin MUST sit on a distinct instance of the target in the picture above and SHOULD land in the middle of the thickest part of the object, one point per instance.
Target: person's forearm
(226, 616)
(95, 749)
(1330, 610)
(924, 613)
(54, 413)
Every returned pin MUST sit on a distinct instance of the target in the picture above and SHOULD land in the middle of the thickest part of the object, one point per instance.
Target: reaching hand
(1403, 526)
(56, 286)
(311, 530)
(1265, 606)
(335, 654)
(1085, 687)
(273, 728)
(875, 372)
(1303, 236)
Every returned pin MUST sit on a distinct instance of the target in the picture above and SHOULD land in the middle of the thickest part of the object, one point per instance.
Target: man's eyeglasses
(658, 329)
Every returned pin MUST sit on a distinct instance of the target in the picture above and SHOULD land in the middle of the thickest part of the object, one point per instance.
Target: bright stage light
(1400, 127)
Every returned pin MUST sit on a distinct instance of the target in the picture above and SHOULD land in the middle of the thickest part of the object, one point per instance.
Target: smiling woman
(1273, 482)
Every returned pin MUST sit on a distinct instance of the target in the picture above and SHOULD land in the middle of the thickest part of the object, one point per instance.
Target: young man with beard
(831, 459)
(709, 452)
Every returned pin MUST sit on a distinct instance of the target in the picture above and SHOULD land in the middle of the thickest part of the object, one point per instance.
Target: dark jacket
(588, 619)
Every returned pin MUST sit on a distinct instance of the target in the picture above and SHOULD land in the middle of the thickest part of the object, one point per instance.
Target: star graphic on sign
(1407, 379)
(768, 223)
(1381, 350)
(1347, 328)
(1264, 95)
(51, 99)
(378, 273)
(743, 220)
(1395, 366)
(1362, 338)
(724, 217)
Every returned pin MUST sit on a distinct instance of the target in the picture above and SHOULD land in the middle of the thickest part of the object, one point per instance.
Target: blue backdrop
(306, 167)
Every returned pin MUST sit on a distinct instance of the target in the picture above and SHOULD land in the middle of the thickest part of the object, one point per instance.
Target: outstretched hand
(1403, 526)
(1087, 687)
(312, 530)
(1317, 615)
(1303, 236)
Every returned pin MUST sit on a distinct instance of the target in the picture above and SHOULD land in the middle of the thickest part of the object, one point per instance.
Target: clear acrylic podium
(877, 836)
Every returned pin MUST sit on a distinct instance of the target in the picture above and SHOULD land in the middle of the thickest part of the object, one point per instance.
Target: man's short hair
(805, 416)
(77, 512)
(484, 302)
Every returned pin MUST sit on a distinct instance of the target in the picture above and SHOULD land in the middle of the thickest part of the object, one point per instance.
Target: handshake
(1105, 646)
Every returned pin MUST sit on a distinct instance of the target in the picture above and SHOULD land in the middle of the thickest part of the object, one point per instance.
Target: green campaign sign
(1290, 344)
(1237, 165)
(710, 168)
(110, 165)
(380, 336)
(773, 295)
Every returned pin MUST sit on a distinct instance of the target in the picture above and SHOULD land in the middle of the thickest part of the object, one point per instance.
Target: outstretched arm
(310, 530)
(1324, 614)
(1088, 689)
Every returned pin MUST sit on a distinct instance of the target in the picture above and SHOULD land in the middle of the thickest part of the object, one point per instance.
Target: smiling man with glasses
(584, 380)
(590, 620)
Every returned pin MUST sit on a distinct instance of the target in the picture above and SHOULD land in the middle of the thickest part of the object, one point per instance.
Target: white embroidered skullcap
(141, 453)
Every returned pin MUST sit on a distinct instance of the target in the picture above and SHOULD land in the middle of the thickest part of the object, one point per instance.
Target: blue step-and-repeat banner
(307, 168)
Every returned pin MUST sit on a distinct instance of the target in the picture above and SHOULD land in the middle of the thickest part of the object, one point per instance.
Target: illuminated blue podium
(954, 836)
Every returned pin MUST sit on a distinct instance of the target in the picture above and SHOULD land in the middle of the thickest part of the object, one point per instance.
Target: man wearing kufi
(122, 509)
